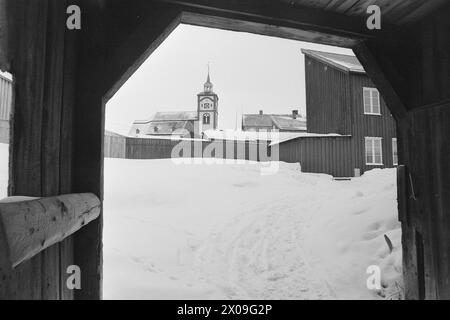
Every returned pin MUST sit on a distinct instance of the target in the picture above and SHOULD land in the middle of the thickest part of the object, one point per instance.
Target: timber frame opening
(65, 77)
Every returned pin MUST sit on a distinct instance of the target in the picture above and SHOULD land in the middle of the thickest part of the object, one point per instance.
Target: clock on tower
(207, 107)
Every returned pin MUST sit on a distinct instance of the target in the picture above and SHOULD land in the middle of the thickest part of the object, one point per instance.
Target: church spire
(208, 85)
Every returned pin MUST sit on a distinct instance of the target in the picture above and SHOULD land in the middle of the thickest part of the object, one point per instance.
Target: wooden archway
(64, 77)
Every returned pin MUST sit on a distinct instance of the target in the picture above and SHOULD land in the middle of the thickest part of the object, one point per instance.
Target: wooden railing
(30, 226)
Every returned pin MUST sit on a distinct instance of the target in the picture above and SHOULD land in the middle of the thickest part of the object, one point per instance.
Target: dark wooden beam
(286, 32)
(284, 15)
(381, 80)
(87, 138)
(38, 277)
(153, 28)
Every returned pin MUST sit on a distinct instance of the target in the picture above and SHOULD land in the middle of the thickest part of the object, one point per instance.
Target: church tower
(207, 107)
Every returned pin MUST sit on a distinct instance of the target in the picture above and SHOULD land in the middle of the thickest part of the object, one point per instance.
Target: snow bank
(227, 232)
(347, 235)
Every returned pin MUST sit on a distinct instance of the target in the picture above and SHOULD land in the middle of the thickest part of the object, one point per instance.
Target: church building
(183, 124)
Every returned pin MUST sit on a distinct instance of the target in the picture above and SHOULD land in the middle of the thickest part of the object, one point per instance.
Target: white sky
(249, 73)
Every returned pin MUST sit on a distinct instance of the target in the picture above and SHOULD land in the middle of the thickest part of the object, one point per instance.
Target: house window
(371, 101)
(374, 152)
(394, 152)
(206, 118)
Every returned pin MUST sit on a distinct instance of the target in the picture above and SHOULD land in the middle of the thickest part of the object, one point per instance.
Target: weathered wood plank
(66, 259)
(29, 19)
(71, 41)
(88, 135)
(52, 100)
(29, 92)
(51, 136)
(50, 273)
(32, 226)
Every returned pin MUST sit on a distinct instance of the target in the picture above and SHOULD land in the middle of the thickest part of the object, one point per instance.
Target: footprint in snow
(358, 212)
(277, 277)
(358, 194)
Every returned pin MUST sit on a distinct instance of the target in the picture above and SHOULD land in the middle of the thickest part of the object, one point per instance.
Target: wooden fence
(114, 145)
(143, 148)
(330, 155)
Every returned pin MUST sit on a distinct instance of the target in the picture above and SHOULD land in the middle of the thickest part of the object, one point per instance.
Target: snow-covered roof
(159, 128)
(173, 137)
(238, 135)
(343, 62)
(280, 121)
(288, 123)
(287, 136)
(261, 120)
(170, 116)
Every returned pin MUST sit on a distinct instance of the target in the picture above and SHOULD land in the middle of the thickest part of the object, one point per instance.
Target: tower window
(206, 118)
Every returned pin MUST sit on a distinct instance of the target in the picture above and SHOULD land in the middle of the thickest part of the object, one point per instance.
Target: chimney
(260, 112)
(294, 114)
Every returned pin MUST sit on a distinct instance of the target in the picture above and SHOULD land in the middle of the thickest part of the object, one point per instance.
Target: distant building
(183, 123)
(269, 122)
(180, 123)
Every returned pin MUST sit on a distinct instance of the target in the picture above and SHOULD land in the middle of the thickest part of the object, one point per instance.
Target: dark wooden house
(341, 99)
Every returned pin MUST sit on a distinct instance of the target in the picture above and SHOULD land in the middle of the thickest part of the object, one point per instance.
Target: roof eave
(331, 63)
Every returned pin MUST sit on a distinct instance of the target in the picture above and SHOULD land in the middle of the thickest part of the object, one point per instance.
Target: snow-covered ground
(227, 232)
